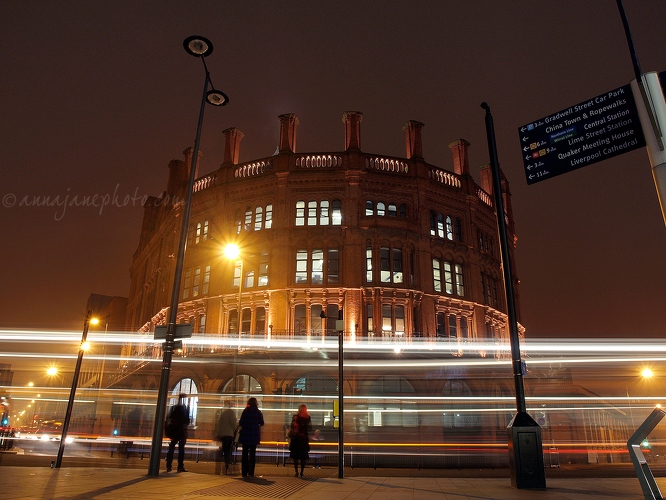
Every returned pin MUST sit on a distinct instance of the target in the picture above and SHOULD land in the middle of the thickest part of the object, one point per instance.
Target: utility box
(526, 453)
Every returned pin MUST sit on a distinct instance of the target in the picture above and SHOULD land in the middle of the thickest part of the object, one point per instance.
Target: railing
(318, 161)
(387, 165)
(253, 169)
(204, 182)
(484, 197)
(444, 177)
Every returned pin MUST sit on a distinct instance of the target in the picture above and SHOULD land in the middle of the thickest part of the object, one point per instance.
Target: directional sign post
(591, 131)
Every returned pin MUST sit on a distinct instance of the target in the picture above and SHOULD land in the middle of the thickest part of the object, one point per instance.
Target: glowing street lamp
(201, 48)
(233, 253)
(75, 381)
(647, 373)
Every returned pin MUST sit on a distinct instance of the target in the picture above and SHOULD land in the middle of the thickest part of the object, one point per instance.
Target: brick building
(405, 248)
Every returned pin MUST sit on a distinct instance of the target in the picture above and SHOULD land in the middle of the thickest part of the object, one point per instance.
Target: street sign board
(591, 131)
(183, 331)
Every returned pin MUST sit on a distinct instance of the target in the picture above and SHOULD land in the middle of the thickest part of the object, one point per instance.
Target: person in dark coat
(176, 430)
(225, 430)
(250, 423)
(299, 444)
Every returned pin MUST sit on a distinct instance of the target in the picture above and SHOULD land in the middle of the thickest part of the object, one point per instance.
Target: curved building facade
(402, 248)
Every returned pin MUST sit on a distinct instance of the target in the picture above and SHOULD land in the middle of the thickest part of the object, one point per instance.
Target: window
(198, 233)
(387, 324)
(458, 229)
(381, 208)
(268, 220)
(237, 273)
(403, 211)
(312, 213)
(460, 286)
(195, 285)
(399, 320)
(392, 210)
(317, 277)
(238, 221)
(301, 266)
(206, 281)
(337, 213)
(245, 384)
(397, 265)
(437, 275)
(433, 223)
(453, 329)
(233, 321)
(441, 325)
(385, 265)
(489, 285)
(453, 277)
(464, 333)
(187, 283)
(316, 321)
(260, 327)
(202, 323)
(189, 387)
(368, 264)
(299, 319)
(249, 279)
(263, 269)
(205, 230)
(369, 318)
(258, 218)
(449, 228)
(300, 213)
(248, 219)
(440, 226)
(369, 208)
(246, 320)
(190, 235)
(333, 276)
(323, 213)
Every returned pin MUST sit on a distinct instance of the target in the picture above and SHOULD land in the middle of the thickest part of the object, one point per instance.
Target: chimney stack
(486, 175)
(232, 139)
(352, 121)
(189, 154)
(177, 177)
(413, 141)
(288, 124)
(460, 159)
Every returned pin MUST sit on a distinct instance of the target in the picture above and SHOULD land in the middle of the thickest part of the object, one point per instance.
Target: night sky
(97, 97)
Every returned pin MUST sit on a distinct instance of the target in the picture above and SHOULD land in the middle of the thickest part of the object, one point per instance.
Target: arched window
(458, 229)
(369, 208)
(323, 213)
(188, 387)
(300, 320)
(244, 384)
(396, 414)
(440, 225)
(453, 418)
(403, 211)
(449, 228)
(260, 327)
(392, 210)
(268, 220)
(336, 213)
(197, 237)
(381, 208)
(238, 221)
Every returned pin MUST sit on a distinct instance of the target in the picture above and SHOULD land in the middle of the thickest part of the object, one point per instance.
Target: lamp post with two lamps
(200, 47)
(83, 347)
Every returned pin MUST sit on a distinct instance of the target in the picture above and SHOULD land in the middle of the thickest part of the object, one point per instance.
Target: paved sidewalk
(88, 482)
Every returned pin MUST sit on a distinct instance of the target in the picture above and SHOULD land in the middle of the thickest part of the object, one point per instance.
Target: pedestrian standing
(176, 429)
(299, 444)
(225, 430)
(250, 436)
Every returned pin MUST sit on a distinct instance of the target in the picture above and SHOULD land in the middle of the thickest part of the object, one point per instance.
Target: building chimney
(232, 140)
(352, 121)
(189, 154)
(177, 177)
(288, 124)
(413, 141)
(486, 175)
(460, 159)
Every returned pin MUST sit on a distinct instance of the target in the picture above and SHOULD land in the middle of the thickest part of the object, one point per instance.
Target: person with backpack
(250, 423)
(178, 419)
(299, 441)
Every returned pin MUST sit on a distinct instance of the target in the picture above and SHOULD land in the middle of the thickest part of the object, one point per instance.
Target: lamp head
(217, 98)
(198, 46)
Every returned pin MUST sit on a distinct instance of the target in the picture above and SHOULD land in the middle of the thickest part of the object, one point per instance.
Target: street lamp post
(201, 47)
(75, 380)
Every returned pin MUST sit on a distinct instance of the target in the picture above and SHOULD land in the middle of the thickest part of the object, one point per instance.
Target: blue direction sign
(592, 131)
